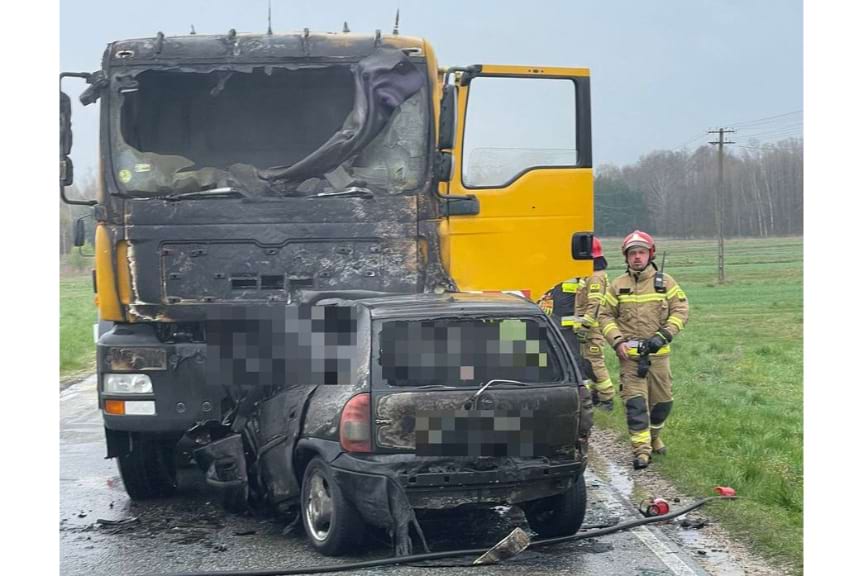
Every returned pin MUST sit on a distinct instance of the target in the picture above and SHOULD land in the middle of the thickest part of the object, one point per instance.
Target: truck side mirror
(80, 236)
(66, 171)
(582, 246)
(446, 128)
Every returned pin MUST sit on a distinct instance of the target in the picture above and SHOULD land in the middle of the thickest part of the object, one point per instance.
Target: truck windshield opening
(297, 131)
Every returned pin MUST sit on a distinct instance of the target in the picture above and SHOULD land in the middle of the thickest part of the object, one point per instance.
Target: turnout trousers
(591, 350)
(647, 401)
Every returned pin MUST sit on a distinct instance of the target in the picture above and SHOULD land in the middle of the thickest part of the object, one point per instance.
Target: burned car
(402, 403)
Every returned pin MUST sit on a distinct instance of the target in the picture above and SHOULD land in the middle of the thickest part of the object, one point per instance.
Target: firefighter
(644, 306)
(588, 301)
(559, 304)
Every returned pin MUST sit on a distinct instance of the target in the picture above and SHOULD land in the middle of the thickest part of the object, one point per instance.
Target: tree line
(674, 193)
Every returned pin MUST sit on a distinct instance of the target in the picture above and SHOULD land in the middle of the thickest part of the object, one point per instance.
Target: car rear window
(465, 352)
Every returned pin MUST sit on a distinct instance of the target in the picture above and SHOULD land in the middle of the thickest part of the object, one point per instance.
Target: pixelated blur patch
(281, 346)
(494, 433)
(465, 352)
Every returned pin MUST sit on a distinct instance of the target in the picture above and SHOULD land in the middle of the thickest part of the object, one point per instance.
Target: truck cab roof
(244, 47)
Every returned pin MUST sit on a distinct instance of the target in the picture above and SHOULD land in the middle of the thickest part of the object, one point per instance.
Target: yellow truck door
(520, 215)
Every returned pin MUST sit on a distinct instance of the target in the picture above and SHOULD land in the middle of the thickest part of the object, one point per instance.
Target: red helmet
(639, 238)
(597, 248)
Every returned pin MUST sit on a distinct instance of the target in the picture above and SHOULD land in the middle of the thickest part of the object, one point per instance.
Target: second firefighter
(588, 301)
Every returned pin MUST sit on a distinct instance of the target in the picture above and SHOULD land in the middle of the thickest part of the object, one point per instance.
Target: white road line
(660, 549)
(663, 552)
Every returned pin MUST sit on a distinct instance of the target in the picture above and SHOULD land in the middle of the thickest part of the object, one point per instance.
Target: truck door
(520, 210)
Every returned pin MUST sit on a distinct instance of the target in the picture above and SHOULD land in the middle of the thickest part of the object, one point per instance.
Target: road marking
(663, 552)
(618, 504)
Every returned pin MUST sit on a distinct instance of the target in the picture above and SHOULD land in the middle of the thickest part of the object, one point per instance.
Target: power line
(759, 120)
(774, 124)
(768, 127)
(690, 141)
(790, 131)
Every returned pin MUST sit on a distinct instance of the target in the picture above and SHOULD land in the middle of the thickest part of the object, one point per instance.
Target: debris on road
(696, 523)
(512, 545)
(120, 522)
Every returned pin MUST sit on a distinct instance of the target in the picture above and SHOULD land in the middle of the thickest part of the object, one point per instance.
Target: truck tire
(148, 467)
(331, 522)
(559, 515)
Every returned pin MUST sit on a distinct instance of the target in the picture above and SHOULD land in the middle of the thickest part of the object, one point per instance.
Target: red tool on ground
(725, 491)
(655, 507)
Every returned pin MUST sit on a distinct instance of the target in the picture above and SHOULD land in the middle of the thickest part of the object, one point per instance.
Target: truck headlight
(127, 384)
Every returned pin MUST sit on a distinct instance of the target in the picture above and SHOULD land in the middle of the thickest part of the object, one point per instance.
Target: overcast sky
(662, 72)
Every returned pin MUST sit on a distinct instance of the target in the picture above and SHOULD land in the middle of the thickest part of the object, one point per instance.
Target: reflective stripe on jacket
(634, 310)
(589, 299)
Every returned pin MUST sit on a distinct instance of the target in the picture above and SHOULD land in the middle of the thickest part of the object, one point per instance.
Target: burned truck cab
(241, 174)
(242, 170)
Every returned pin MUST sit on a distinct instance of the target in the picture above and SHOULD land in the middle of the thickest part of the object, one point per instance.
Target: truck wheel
(148, 467)
(332, 523)
(559, 515)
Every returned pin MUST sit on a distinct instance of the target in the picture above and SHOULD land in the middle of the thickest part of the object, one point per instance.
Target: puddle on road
(620, 480)
(721, 563)
(612, 474)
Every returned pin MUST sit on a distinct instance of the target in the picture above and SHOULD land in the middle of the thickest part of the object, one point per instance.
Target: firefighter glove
(655, 342)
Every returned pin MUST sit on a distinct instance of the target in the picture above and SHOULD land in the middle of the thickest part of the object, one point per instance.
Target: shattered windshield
(305, 130)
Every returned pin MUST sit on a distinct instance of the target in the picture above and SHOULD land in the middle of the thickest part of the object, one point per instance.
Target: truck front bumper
(182, 392)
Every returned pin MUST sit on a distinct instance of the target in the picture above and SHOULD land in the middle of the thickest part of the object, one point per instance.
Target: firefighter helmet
(639, 238)
(597, 248)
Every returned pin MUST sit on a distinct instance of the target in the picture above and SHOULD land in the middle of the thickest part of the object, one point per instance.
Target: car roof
(449, 304)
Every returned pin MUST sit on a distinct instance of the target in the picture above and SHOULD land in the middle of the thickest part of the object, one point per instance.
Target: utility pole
(719, 202)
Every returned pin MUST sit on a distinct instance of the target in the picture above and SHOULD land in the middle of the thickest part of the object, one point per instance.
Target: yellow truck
(241, 172)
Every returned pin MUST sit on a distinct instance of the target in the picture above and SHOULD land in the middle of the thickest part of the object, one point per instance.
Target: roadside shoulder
(715, 549)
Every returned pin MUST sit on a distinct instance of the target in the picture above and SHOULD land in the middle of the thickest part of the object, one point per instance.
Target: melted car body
(402, 403)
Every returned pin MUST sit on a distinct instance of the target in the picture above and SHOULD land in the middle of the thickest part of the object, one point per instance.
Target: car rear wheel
(559, 515)
(148, 467)
(332, 523)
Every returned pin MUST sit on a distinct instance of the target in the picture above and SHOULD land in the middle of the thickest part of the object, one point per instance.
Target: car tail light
(355, 430)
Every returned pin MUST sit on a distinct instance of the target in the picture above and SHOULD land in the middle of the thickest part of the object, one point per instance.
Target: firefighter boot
(658, 415)
(607, 405)
(657, 443)
(641, 461)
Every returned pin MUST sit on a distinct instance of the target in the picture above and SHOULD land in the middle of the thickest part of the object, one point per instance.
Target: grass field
(77, 316)
(738, 386)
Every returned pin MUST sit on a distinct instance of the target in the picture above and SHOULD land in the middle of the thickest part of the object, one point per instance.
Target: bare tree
(764, 193)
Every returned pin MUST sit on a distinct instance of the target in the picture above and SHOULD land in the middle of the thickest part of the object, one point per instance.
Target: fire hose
(453, 553)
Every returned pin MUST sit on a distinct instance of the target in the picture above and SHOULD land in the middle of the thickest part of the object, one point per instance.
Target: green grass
(738, 387)
(77, 316)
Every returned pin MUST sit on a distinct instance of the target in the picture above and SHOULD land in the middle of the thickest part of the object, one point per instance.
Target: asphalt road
(191, 533)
